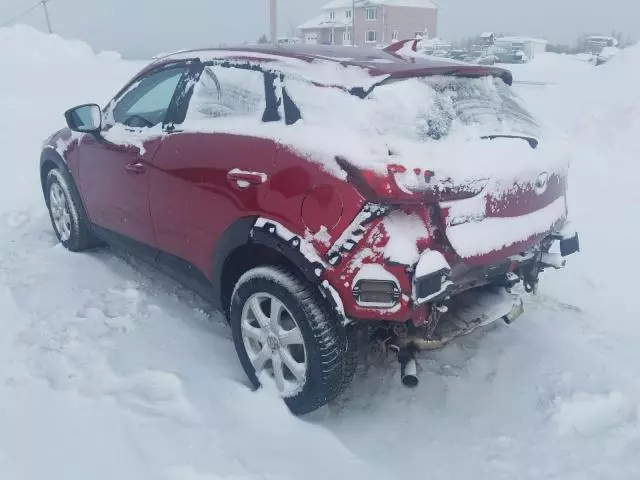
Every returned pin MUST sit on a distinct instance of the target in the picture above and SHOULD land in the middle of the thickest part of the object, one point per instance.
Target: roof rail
(162, 55)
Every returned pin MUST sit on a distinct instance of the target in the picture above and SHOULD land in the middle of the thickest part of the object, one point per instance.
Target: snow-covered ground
(109, 370)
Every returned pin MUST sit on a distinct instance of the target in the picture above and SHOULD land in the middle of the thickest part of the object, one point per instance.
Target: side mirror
(84, 118)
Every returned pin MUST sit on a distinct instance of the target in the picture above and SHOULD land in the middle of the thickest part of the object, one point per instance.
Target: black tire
(325, 340)
(80, 236)
(351, 358)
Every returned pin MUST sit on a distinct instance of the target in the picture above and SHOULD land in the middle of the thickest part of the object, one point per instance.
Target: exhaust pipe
(516, 311)
(409, 374)
(408, 368)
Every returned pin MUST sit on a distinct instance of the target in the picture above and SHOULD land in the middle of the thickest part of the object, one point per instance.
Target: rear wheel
(285, 335)
(67, 215)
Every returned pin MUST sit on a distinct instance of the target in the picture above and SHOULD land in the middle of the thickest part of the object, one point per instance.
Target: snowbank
(612, 101)
(42, 76)
(564, 67)
(600, 104)
(23, 44)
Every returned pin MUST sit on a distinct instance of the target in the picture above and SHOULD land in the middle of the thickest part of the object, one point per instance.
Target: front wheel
(67, 215)
(286, 335)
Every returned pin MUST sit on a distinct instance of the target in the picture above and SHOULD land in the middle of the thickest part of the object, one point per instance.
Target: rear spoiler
(463, 68)
(394, 47)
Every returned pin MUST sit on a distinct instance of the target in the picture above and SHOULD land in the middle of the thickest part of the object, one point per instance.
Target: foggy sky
(140, 28)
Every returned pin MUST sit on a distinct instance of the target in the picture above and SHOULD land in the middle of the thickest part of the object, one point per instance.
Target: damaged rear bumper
(439, 283)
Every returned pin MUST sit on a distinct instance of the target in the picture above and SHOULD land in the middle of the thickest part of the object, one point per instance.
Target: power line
(46, 15)
(29, 10)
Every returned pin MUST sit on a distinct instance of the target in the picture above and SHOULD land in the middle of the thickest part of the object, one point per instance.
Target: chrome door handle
(244, 179)
(137, 167)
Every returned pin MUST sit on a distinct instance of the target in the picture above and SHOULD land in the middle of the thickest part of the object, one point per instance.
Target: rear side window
(227, 92)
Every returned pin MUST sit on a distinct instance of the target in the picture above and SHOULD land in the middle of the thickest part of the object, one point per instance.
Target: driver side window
(147, 102)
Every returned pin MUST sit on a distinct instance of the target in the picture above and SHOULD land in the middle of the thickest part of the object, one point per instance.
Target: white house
(372, 23)
(515, 49)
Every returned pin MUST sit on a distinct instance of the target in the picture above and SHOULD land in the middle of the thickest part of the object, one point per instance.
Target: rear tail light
(403, 185)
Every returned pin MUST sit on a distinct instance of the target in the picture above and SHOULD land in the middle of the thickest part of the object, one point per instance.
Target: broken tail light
(400, 185)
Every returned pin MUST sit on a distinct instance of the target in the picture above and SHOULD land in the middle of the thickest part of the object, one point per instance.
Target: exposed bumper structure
(435, 284)
(466, 313)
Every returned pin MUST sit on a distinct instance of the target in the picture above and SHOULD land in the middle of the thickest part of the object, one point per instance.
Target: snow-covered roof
(321, 21)
(600, 37)
(333, 65)
(486, 34)
(521, 40)
(335, 4)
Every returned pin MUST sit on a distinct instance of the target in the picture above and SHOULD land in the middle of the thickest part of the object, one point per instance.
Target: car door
(114, 165)
(214, 168)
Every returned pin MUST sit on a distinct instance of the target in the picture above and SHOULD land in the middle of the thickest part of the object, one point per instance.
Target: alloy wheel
(60, 211)
(274, 342)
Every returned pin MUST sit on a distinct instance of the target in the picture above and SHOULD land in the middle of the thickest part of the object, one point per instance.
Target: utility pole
(273, 15)
(353, 23)
(46, 15)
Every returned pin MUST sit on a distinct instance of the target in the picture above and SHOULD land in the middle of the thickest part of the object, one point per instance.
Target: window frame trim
(375, 16)
(269, 78)
(186, 65)
(366, 36)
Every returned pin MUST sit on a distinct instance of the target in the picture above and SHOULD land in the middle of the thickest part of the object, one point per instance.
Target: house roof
(335, 65)
(321, 22)
(521, 40)
(334, 4)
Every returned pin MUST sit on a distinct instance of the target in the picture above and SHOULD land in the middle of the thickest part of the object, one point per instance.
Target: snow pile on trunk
(22, 44)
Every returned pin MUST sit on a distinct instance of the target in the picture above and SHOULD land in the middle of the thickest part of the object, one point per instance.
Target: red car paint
(180, 196)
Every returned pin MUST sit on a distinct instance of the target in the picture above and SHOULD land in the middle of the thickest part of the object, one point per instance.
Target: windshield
(431, 108)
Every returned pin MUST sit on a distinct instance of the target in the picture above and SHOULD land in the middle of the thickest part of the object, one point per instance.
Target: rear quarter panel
(294, 179)
(192, 201)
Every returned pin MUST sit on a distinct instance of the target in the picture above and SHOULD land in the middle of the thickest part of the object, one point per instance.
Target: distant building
(518, 49)
(435, 46)
(596, 43)
(487, 38)
(373, 23)
(289, 40)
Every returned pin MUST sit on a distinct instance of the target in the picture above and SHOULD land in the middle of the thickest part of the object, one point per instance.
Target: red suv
(325, 199)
